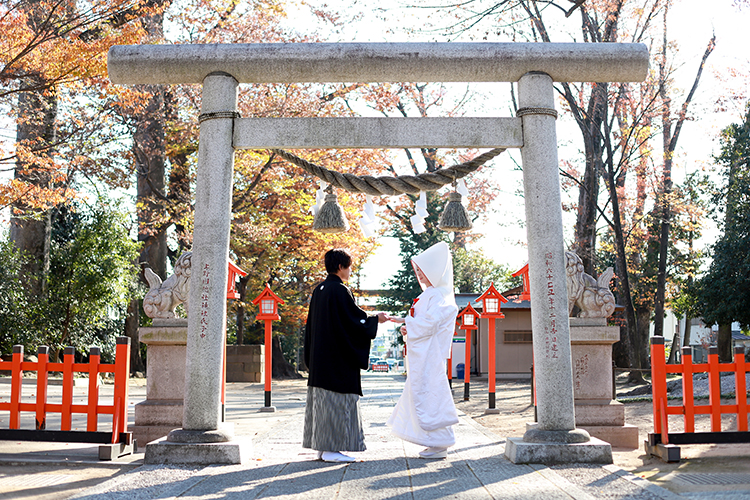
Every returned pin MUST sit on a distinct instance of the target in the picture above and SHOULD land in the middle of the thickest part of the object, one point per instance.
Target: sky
(692, 23)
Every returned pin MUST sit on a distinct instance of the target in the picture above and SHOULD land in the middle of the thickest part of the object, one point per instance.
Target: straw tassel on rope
(331, 217)
(455, 217)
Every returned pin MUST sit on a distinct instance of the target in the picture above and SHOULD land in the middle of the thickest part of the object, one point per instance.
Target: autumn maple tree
(272, 238)
(49, 52)
(75, 128)
(618, 124)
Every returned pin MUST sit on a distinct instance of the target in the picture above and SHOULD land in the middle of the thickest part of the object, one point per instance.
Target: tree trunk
(620, 349)
(662, 199)
(280, 367)
(149, 153)
(673, 351)
(179, 175)
(137, 363)
(30, 229)
(669, 140)
(643, 315)
(588, 195)
(725, 343)
(632, 340)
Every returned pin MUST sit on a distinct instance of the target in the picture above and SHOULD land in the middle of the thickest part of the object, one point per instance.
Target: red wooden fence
(92, 409)
(662, 442)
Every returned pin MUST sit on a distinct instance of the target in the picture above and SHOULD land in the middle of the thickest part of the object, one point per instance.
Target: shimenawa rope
(387, 185)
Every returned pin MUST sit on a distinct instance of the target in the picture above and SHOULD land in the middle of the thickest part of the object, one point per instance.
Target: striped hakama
(332, 421)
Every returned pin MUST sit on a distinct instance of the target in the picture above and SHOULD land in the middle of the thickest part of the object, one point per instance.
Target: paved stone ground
(280, 468)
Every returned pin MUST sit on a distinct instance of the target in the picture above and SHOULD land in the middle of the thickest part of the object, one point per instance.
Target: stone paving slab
(475, 467)
(390, 468)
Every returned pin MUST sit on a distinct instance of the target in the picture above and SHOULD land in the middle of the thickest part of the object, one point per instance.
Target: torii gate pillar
(204, 438)
(554, 438)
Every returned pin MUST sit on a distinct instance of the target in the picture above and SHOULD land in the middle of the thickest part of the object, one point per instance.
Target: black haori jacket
(337, 338)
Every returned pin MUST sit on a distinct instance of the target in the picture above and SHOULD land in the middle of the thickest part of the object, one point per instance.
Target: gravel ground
(514, 400)
(700, 385)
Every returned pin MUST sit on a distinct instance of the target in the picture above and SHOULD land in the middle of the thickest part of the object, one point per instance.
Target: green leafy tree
(90, 280)
(724, 291)
(14, 303)
(473, 272)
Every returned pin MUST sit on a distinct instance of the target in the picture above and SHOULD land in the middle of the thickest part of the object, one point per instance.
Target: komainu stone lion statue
(162, 298)
(592, 297)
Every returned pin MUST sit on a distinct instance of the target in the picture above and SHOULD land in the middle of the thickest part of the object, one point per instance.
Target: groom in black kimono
(337, 347)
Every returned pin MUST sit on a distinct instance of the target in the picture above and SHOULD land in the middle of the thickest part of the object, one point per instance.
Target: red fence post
(659, 383)
(93, 402)
(714, 388)
(122, 371)
(16, 379)
(67, 395)
(740, 390)
(687, 388)
(41, 387)
(449, 368)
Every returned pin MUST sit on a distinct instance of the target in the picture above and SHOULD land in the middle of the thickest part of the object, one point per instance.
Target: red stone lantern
(468, 320)
(524, 274)
(492, 301)
(269, 311)
(232, 293)
(234, 271)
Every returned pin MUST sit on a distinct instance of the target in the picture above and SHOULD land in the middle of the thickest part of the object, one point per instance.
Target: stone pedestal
(593, 451)
(165, 384)
(595, 410)
(198, 447)
(245, 363)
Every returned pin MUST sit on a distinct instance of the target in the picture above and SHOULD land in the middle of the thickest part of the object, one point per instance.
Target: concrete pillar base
(113, 451)
(267, 409)
(162, 451)
(534, 434)
(595, 451)
(222, 435)
(492, 411)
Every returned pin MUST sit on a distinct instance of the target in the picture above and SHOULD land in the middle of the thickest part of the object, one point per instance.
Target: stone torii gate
(534, 66)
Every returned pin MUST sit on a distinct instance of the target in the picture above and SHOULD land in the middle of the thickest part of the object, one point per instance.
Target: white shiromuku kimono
(425, 412)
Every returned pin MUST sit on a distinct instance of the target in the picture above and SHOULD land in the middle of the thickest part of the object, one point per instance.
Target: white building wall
(700, 334)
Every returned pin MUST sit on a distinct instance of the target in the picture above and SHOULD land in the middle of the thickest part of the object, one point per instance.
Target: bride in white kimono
(425, 413)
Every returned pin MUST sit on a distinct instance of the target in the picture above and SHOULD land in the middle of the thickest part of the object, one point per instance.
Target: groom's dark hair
(336, 258)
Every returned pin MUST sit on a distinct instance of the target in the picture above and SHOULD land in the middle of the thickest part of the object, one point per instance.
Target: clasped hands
(383, 317)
